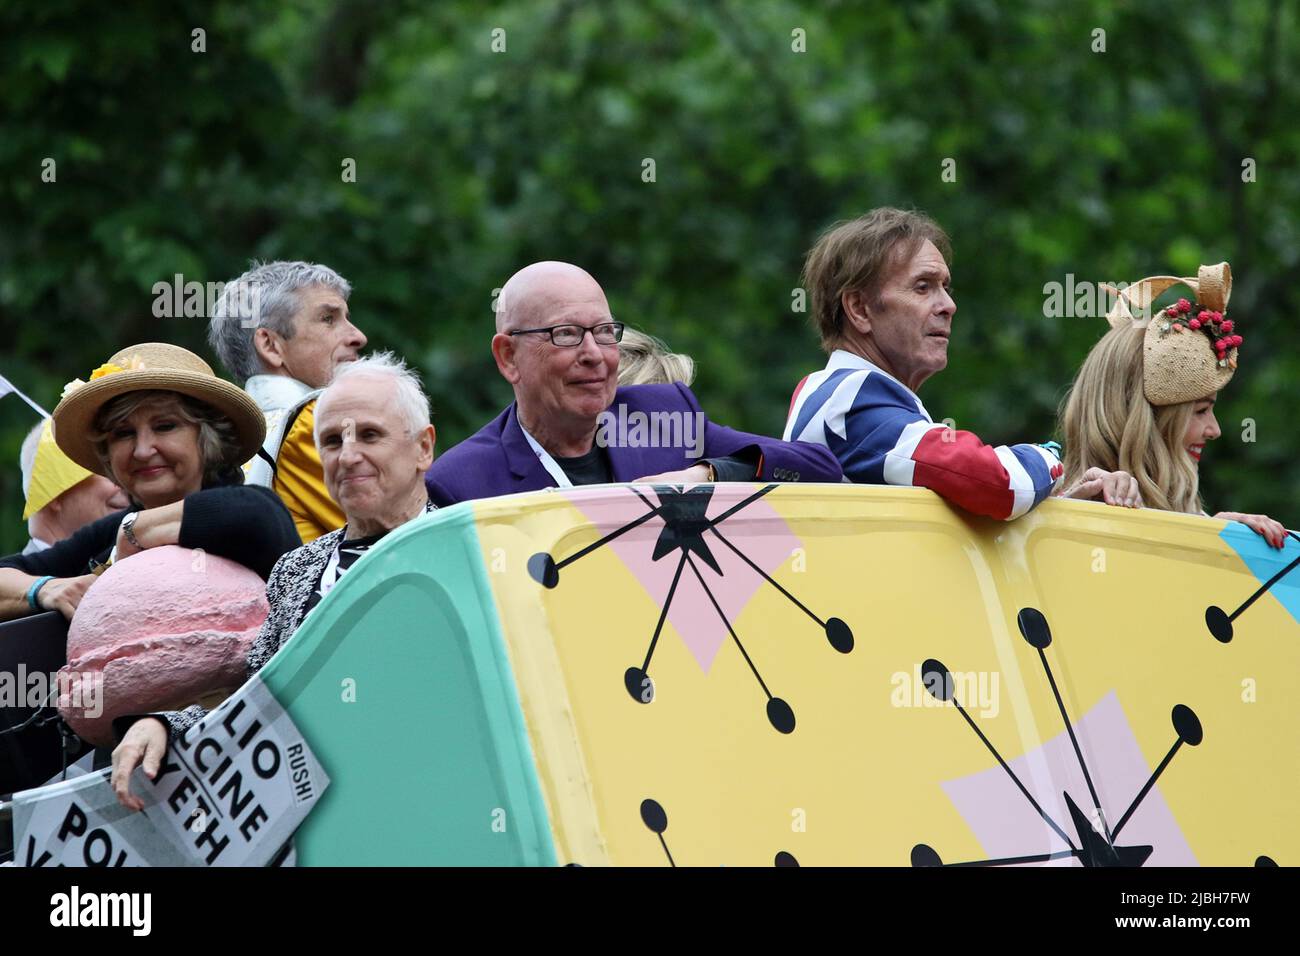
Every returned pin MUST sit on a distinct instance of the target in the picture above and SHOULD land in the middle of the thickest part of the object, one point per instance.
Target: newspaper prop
(230, 792)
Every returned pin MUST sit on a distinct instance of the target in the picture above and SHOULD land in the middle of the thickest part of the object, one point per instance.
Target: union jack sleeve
(882, 434)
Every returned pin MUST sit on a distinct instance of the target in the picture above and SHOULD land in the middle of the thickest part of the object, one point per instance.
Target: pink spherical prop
(159, 630)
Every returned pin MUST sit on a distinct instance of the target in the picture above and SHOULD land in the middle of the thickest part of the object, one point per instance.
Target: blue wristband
(35, 589)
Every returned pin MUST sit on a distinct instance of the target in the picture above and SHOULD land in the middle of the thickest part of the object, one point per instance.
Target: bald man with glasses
(570, 424)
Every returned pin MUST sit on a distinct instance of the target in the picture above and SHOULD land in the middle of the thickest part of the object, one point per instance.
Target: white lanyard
(550, 464)
(331, 573)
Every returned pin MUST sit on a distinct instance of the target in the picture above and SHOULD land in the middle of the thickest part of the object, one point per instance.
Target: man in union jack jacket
(882, 305)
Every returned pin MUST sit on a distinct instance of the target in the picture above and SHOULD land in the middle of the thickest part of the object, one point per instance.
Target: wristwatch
(127, 529)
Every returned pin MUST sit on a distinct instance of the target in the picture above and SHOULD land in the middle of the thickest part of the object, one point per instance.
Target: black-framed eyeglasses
(571, 336)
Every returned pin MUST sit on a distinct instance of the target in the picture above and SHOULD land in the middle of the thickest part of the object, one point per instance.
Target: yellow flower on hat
(108, 368)
(105, 369)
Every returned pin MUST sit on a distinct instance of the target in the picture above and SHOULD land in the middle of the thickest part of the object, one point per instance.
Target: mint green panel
(431, 763)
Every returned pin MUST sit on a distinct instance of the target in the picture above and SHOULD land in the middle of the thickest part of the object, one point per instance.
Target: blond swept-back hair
(1107, 422)
(645, 360)
(858, 255)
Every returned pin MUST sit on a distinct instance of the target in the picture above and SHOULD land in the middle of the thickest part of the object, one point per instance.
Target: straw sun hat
(148, 366)
(1190, 348)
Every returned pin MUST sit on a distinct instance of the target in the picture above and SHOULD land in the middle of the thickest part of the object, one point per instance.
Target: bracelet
(128, 529)
(36, 589)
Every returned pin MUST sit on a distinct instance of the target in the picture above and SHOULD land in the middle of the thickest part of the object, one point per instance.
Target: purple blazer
(497, 459)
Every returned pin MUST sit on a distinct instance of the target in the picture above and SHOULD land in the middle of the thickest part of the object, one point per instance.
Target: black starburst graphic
(684, 514)
(1095, 847)
(1220, 621)
(655, 818)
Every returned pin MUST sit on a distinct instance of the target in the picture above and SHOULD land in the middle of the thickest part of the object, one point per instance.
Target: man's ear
(427, 438)
(269, 348)
(856, 310)
(503, 350)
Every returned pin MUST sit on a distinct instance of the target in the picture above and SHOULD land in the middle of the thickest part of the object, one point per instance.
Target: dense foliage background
(471, 162)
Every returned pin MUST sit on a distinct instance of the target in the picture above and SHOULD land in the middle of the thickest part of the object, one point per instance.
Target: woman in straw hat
(1143, 400)
(159, 423)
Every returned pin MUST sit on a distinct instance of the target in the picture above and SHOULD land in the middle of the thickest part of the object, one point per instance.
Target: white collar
(35, 545)
(273, 392)
(842, 358)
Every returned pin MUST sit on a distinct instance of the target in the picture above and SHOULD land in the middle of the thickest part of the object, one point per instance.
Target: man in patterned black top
(376, 443)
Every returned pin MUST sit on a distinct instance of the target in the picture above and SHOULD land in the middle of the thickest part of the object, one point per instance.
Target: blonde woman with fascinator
(1143, 401)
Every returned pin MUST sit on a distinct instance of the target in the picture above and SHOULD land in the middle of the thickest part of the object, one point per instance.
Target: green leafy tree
(486, 137)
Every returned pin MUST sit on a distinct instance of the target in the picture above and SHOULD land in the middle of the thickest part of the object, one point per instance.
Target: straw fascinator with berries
(1189, 350)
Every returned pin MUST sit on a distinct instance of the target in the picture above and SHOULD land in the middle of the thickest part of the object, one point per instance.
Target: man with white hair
(375, 442)
(62, 497)
(283, 328)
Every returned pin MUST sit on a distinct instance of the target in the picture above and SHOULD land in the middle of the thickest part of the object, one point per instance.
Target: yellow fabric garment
(300, 481)
(53, 473)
